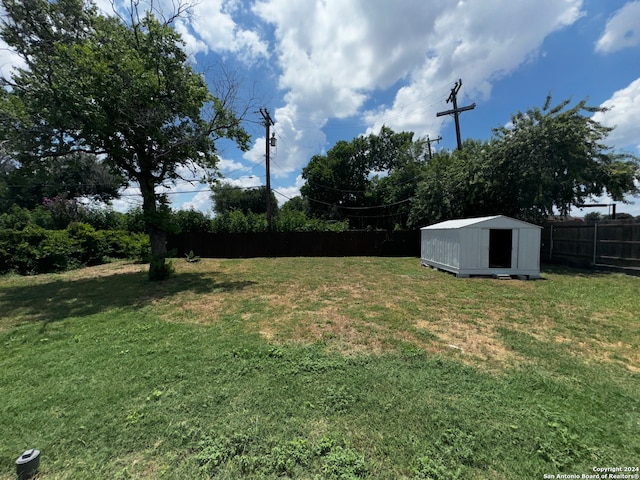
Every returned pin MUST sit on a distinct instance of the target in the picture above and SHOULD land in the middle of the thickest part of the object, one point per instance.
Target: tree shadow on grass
(64, 297)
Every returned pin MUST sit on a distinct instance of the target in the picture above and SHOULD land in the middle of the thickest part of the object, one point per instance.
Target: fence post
(595, 243)
(551, 243)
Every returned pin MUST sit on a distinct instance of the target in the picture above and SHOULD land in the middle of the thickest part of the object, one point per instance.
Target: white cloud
(211, 26)
(201, 201)
(464, 43)
(624, 115)
(230, 167)
(334, 55)
(130, 198)
(284, 194)
(9, 60)
(247, 181)
(622, 29)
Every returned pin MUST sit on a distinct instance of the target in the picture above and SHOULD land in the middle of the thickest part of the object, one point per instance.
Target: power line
(346, 207)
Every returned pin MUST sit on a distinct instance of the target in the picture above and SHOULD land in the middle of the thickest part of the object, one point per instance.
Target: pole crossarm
(266, 116)
(455, 111)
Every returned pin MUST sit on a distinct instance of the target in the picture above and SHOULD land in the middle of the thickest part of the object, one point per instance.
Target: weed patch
(328, 458)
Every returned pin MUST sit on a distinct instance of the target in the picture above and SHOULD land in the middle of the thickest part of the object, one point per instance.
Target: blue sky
(331, 70)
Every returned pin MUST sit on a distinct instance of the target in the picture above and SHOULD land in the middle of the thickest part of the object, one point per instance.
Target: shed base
(501, 275)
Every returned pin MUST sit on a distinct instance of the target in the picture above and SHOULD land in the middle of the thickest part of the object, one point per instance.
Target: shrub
(93, 248)
(134, 220)
(18, 218)
(57, 252)
(122, 244)
(286, 221)
(192, 221)
(102, 218)
(35, 250)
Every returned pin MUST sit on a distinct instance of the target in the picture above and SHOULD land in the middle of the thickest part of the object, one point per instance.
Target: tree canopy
(544, 162)
(342, 184)
(227, 198)
(72, 176)
(556, 157)
(121, 89)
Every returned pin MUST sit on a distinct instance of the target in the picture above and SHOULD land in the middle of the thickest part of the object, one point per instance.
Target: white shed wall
(442, 248)
(471, 246)
(464, 249)
(529, 249)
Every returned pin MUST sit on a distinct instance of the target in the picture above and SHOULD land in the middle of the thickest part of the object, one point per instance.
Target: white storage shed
(493, 246)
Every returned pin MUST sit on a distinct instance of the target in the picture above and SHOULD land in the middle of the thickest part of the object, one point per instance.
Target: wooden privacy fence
(589, 245)
(297, 244)
(581, 245)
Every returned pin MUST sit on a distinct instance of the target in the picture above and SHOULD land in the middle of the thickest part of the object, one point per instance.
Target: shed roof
(466, 222)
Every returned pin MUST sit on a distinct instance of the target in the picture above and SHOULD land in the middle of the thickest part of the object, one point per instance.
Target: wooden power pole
(456, 111)
(267, 123)
(429, 145)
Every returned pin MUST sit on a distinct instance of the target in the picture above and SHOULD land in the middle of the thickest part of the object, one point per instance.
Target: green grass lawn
(318, 368)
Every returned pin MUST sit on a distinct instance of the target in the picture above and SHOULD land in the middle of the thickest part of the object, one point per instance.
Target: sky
(331, 70)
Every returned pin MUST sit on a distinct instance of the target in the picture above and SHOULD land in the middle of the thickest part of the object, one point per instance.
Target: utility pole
(429, 144)
(456, 111)
(267, 123)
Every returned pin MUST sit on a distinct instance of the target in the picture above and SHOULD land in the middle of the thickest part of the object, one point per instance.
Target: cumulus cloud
(464, 43)
(624, 115)
(201, 201)
(622, 29)
(9, 60)
(284, 194)
(333, 55)
(210, 25)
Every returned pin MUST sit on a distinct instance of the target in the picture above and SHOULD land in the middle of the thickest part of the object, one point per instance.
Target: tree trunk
(158, 268)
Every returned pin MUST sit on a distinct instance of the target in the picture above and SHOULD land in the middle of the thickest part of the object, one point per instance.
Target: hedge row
(34, 249)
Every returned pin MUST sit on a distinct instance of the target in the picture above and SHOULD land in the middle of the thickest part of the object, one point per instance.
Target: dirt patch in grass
(602, 351)
(474, 341)
(362, 308)
(200, 310)
(340, 332)
(107, 270)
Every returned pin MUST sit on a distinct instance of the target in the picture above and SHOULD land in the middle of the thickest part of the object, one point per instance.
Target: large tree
(552, 158)
(454, 185)
(545, 161)
(397, 187)
(341, 184)
(117, 87)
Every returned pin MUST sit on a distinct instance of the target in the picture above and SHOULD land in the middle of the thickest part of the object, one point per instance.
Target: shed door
(500, 248)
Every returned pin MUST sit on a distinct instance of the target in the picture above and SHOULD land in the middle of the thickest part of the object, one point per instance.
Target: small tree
(71, 177)
(341, 184)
